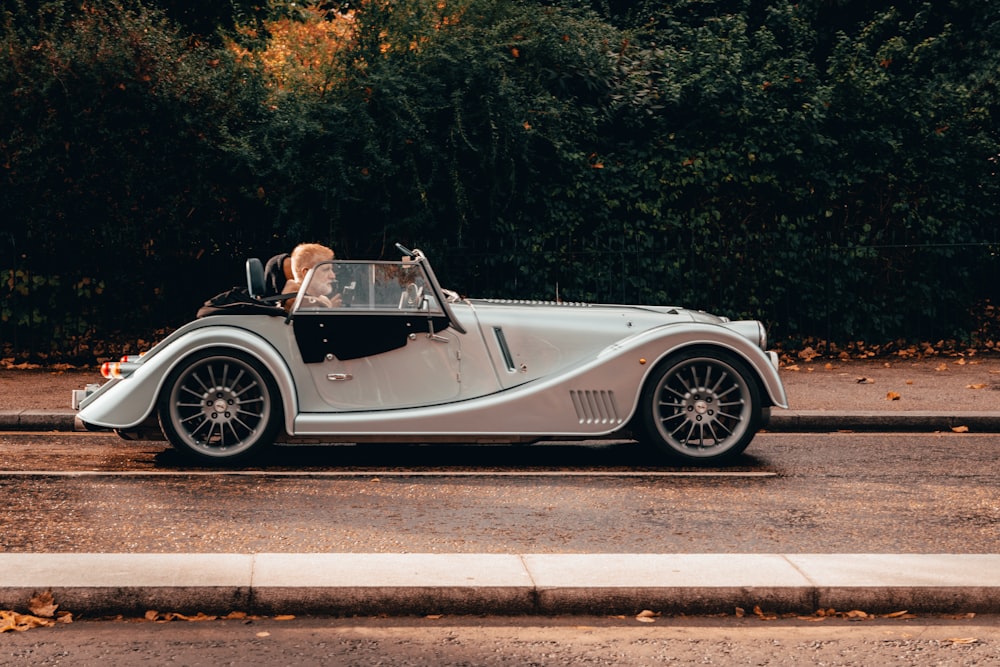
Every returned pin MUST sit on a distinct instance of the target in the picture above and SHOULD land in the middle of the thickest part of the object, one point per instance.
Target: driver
(304, 257)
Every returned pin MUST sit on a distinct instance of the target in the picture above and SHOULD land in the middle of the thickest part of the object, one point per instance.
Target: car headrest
(255, 277)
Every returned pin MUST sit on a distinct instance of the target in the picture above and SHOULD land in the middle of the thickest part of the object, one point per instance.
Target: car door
(383, 344)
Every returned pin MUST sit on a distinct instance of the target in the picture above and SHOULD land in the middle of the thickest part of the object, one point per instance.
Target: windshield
(368, 286)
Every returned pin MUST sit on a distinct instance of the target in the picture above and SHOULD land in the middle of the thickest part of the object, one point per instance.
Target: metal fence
(873, 293)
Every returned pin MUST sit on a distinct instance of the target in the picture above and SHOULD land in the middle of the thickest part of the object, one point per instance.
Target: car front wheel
(701, 406)
(220, 406)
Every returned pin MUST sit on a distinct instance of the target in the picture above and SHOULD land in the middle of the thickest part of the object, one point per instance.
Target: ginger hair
(306, 256)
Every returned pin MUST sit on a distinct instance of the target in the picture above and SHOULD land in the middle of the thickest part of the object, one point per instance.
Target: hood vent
(526, 302)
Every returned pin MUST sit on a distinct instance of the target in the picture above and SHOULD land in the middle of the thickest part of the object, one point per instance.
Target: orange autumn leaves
(43, 612)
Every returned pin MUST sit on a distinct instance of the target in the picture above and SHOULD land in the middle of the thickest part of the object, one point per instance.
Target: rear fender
(130, 401)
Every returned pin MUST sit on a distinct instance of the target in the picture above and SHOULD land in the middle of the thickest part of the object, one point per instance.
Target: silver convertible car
(399, 359)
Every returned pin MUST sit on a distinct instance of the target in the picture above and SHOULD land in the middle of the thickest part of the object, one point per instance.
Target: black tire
(701, 406)
(220, 406)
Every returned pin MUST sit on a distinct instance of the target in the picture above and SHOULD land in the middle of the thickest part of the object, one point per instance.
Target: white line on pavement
(377, 473)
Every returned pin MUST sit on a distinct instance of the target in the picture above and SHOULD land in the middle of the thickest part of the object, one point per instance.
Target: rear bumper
(80, 394)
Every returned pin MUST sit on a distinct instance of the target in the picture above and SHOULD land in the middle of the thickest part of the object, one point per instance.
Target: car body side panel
(531, 341)
(596, 397)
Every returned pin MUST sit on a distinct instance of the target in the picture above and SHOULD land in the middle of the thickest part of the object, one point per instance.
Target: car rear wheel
(220, 406)
(701, 406)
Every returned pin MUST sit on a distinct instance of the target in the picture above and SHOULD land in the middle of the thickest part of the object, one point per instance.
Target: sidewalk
(928, 395)
(419, 584)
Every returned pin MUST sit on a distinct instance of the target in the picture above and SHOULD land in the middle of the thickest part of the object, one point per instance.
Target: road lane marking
(375, 473)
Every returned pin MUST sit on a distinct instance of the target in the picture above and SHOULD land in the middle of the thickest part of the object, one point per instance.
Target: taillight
(118, 369)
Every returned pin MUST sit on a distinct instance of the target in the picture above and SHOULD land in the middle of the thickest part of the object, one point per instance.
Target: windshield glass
(369, 286)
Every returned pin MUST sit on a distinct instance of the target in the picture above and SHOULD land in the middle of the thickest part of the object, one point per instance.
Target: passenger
(318, 293)
(277, 272)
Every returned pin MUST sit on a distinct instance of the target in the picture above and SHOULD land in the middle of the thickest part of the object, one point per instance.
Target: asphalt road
(497, 642)
(791, 493)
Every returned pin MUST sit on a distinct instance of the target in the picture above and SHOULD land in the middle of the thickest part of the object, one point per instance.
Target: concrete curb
(38, 420)
(407, 584)
(782, 421)
(927, 421)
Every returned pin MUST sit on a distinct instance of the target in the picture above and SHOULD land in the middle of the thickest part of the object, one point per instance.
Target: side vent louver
(508, 358)
(595, 407)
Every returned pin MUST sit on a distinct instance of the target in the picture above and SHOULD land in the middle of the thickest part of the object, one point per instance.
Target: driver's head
(306, 256)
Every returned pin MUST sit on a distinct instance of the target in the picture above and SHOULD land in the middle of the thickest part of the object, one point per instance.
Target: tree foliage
(827, 165)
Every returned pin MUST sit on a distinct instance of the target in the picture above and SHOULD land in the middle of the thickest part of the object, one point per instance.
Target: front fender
(657, 344)
(130, 401)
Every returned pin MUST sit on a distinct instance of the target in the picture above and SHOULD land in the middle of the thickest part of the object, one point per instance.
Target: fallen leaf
(865, 381)
(941, 367)
(263, 634)
(976, 386)
(828, 366)
(960, 429)
(285, 617)
(433, 617)
(909, 382)
(793, 367)
(898, 614)
(43, 605)
(11, 620)
(892, 396)
(740, 612)
(962, 640)
(200, 616)
(764, 616)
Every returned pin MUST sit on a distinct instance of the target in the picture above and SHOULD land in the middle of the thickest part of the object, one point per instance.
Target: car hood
(558, 313)
(676, 313)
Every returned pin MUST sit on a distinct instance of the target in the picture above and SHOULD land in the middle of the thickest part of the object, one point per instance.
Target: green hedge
(829, 166)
